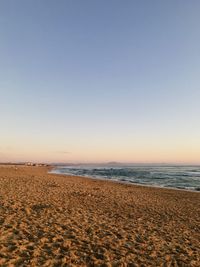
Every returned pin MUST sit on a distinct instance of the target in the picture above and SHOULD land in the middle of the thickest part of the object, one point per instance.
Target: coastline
(48, 219)
(121, 182)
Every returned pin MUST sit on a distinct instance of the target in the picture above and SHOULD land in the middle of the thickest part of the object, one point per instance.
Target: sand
(54, 220)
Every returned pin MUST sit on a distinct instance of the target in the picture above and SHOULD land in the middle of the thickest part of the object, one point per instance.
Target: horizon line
(100, 163)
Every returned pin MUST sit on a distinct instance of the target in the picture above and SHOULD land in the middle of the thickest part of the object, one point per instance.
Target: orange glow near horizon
(179, 153)
(79, 146)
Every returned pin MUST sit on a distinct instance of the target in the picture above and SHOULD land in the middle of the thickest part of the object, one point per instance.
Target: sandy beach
(54, 220)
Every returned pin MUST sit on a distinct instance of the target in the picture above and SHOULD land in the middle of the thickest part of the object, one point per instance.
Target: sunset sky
(98, 81)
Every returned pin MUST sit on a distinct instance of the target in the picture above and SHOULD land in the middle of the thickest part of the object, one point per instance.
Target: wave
(181, 177)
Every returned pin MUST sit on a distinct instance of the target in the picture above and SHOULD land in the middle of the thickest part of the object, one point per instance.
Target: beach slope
(56, 220)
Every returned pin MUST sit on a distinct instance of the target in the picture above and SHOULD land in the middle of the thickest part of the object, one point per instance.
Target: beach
(56, 220)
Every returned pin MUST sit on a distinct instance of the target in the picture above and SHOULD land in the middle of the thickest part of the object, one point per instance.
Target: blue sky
(100, 81)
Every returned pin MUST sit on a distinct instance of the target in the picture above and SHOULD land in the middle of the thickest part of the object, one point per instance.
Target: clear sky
(98, 81)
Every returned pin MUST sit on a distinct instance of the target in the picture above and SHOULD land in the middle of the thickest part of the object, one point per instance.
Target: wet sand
(54, 220)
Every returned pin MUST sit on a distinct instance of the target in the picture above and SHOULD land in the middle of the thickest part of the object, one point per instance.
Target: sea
(179, 177)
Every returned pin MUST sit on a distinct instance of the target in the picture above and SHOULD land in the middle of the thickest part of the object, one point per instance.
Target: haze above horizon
(100, 81)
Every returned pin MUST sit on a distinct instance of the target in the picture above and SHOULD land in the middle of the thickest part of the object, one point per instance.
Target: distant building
(29, 164)
(35, 164)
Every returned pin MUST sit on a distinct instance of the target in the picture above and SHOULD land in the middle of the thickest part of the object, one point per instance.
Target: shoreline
(125, 182)
(48, 220)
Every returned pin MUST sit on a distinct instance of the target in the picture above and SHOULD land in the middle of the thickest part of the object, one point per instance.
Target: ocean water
(180, 177)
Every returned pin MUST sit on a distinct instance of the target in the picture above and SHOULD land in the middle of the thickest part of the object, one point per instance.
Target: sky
(99, 81)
